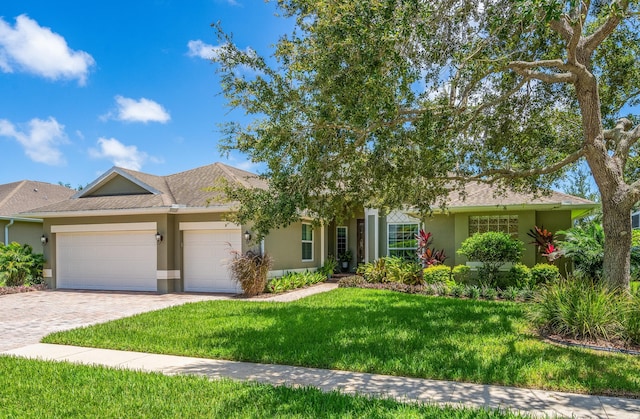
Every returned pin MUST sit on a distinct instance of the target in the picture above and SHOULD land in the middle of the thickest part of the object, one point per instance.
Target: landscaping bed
(373, 331)
(22, 288)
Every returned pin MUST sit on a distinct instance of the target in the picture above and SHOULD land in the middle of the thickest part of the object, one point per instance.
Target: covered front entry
(206, 253)
(106, 260)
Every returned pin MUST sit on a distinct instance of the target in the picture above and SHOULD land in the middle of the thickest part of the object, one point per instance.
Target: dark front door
(361, 241)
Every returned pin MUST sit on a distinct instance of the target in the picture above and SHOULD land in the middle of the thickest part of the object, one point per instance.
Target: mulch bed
(23, 288)
(616, 346)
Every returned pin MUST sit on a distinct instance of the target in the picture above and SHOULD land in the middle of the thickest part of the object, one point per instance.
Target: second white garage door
(206, 257)
(107, 261)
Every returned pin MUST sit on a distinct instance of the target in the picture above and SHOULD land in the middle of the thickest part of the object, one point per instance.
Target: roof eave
(131, 211)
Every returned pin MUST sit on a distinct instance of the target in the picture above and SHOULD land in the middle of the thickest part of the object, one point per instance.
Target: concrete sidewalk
(536, 402)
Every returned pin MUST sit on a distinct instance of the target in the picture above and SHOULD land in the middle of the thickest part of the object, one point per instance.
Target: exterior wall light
(247, 235)
(44, 240)
(159, 237)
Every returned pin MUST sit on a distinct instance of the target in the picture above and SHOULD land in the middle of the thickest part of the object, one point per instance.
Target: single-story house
(25, 195)
(135, 231)
(373, 233)
(129, 230)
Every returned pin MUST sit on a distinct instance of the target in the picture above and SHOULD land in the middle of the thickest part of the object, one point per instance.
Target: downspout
(6, 232)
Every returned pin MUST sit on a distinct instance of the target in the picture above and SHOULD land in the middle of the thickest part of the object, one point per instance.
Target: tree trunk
(616, 222)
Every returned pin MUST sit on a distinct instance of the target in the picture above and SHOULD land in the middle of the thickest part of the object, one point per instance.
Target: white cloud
(127, 156)
(34, 49)
(199, 49)
(40, 141)
(142, 110)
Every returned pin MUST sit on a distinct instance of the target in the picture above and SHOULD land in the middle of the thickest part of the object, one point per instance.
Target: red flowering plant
(428, 256)
(544, 240)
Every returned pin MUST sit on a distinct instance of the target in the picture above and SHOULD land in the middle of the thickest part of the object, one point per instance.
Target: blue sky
(89, 85)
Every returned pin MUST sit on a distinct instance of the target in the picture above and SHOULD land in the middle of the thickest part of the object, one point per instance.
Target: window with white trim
(401, 240)
(341, 240)
(307, 242)
(499, 223)
(635, 220)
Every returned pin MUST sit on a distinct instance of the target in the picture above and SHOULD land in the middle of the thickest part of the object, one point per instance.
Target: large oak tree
(391, 103)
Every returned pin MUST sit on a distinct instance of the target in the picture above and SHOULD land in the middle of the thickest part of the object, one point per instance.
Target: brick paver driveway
(25, 318)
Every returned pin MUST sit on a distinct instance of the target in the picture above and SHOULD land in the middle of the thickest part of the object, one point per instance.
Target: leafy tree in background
(388, 103)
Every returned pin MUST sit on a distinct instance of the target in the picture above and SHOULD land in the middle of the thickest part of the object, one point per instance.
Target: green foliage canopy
(383, 103)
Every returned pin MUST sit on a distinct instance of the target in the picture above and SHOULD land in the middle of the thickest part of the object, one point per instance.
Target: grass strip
(40, 389)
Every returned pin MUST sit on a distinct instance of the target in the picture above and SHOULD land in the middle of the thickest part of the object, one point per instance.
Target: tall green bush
(581, 309)
(437, 273)
(19, 265)
(493, 249)
(543, 273)
(520, 276)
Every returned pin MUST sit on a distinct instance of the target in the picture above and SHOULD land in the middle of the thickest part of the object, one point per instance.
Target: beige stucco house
(139, 232)
(374, 233)
(134, 231)
(25, 195)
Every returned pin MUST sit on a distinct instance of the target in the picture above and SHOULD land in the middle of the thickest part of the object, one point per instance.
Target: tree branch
(546, 77)
(562, 28)
(494, 174)
(599, 35)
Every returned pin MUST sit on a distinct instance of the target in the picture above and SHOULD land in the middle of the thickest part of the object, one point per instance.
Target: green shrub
(519, 275)
(584, 244)
(511, 293)
(473, 292)
(293, 280)
(461, 273)
(458, 290)
(579, 309)
(250, 271)
(374, 272)
(330, 266)
(19, 265)
(436, 273)
(493, 249)
(632, 319)
(403, 271)
(543, 273)
(489, 293)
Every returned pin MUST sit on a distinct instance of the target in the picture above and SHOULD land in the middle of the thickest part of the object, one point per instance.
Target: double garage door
(124, 257)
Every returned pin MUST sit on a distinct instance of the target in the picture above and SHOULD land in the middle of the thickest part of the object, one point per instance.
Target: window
(307, 242)
(500, 223)
(341, 240)
(401, 240)
(635, 220)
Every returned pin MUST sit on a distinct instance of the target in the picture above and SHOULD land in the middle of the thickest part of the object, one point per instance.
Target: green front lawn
(38, 389)
(372, 331)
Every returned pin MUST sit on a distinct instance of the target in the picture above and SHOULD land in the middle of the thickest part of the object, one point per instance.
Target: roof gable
(117, 182)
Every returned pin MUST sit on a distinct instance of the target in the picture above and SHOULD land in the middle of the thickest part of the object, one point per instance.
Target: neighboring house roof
(124, 190)
(26, 195)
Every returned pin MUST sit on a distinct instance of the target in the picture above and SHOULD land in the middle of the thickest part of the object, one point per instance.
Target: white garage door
(206, 255)
(124, 261)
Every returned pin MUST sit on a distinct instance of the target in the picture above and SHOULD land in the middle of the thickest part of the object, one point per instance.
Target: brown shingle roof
(26, 195)
(185, 189)
(483, 195)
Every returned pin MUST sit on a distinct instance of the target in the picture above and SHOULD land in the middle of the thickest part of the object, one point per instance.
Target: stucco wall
(284, 245)
(442, 227)
(23, 233)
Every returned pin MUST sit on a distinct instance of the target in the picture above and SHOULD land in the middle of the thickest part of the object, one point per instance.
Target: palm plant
(585, 246)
